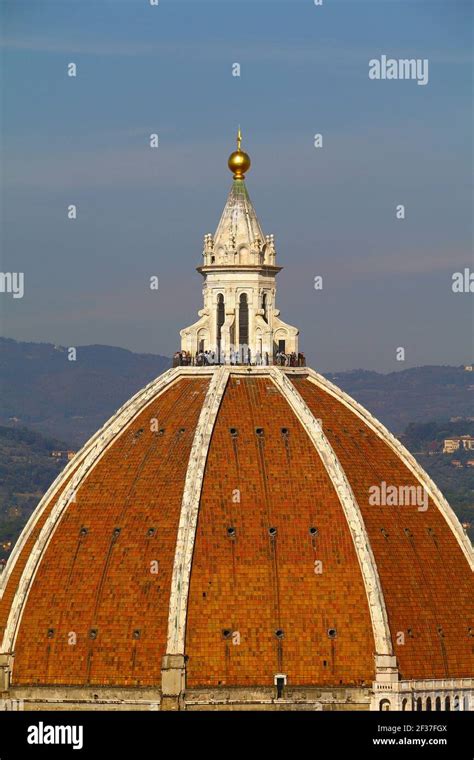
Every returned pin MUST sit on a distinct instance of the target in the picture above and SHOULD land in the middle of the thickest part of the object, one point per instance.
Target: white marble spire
(239, 224)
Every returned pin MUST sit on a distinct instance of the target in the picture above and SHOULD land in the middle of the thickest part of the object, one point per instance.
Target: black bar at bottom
(110, 735)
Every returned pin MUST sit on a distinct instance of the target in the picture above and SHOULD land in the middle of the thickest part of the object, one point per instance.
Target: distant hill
(42, 390)
(27, 469)
(428, 437)
(419, 394)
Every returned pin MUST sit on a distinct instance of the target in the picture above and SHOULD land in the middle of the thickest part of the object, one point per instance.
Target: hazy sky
(143, 212)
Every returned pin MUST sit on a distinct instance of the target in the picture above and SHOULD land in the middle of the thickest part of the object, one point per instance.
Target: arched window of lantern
(202, 340)
(220, 316)
(243, 320)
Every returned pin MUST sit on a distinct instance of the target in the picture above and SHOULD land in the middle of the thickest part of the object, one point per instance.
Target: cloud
(347, 57)
(111, 167)
(120, 162)
(105, 48)
(403, 263)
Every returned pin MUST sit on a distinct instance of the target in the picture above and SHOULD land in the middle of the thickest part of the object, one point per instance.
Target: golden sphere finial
(239, 161)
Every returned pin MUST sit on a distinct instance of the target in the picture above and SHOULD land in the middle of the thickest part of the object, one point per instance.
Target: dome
(217, 544)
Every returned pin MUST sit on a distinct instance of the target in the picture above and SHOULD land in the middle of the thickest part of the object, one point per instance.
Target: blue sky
(304, 69)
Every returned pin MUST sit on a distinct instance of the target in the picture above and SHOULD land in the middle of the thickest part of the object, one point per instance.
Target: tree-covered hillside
(27, 469)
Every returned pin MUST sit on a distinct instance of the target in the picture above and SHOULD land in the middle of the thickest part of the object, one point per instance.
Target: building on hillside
(465, 442)
(63, 455)
(216, 546)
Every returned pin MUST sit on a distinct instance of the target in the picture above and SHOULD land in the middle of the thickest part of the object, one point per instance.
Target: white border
(183, 558)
